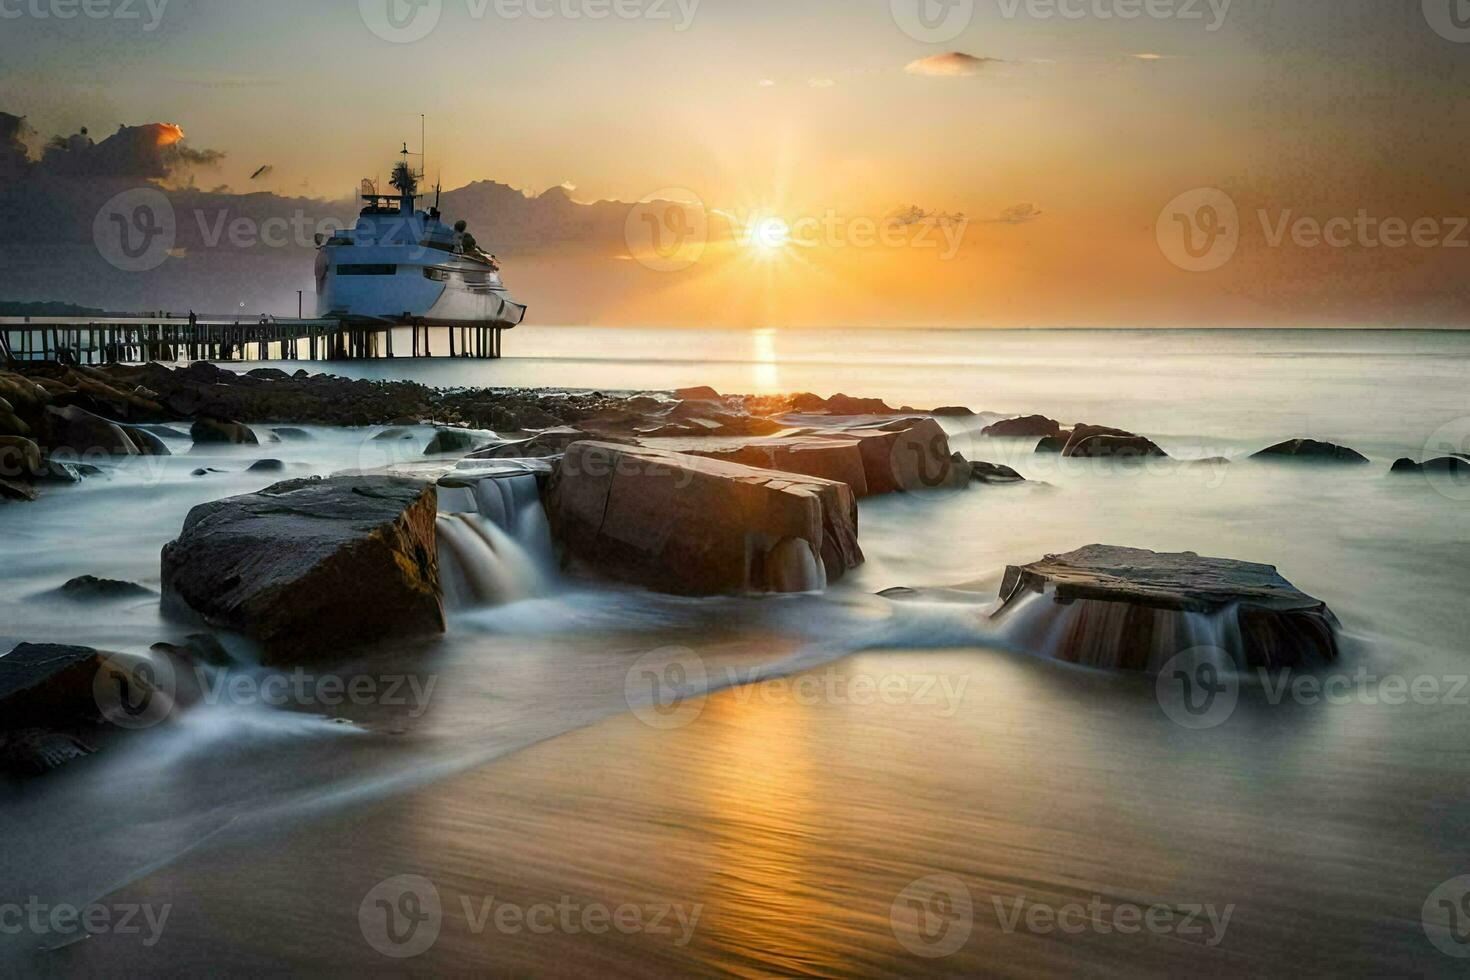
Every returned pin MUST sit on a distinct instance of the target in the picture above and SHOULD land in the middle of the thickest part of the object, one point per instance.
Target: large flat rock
(827, 457)
(908, 455)
(698, 526)
(310, 567)
(1133, 609)
(45, 684)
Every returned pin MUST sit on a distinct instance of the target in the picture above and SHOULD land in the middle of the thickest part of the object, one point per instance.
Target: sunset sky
(1061, 139)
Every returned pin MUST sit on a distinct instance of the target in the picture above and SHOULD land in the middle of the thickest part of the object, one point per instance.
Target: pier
(142, 337)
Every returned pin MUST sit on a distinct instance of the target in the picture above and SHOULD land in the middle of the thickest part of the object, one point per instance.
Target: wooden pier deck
(140, 337)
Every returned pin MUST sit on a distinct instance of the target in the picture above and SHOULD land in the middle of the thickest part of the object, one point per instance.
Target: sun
(770, 235)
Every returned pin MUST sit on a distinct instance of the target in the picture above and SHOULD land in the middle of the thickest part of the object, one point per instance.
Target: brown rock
(1031, 426)
(698, 526)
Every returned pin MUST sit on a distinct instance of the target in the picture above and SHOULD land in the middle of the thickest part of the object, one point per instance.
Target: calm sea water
(798, 807)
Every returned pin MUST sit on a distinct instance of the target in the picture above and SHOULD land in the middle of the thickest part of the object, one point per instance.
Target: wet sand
(793, 820)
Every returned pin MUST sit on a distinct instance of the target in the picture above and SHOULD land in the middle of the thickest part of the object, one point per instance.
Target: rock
(289, 434)
(841, 404)
(1451, 465)
(36, 751)
(266, 466)
(1028, 427)
(16, 490)
(1054, 444)
(908, 455)
(205, 471)
(1112, 447)
(830, 458)
(89, 588)
(268, 374)
(1131, 609)
(701, 393)
(166, 431)
(48, 686)
(211, 431)
(393, 434)
(309, 567)
(696, 526)
(991, 473)
(450, 441)
(199, 648)
(952, 412)
(74, 431)
(19, 457)
(551, 442)
(1311, 449)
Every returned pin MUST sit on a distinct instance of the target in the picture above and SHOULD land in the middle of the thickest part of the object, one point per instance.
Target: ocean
(865, 786)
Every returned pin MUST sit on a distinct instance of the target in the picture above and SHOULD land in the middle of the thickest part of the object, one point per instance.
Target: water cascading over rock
(494, 541)
(1130, 609)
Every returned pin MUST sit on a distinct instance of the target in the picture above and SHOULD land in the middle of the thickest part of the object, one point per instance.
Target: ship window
(367, 270)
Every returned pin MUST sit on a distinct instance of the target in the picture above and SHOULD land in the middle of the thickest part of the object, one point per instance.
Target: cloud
(952, 65)
(821, 82)
(152, 152)
(1151, 56)
(1017, 214)
(914, 215)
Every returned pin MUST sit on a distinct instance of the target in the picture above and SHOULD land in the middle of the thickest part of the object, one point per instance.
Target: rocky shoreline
(688, 492)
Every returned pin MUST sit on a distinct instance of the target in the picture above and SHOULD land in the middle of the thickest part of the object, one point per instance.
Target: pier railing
(136, 338)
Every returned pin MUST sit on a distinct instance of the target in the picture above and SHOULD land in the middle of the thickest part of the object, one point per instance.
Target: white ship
(405, 266)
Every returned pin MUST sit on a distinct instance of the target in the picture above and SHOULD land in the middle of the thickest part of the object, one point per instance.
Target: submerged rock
(309, 567)
(1311, 449)
(697, 526)
(992, 473)
(290, 434)
(89, 588)
(74, 431)
(1054, 444)
(37, 751)
(1451, 465)
(1103, 442)
(1131, 609)
(1031, 426)
(450, 441)
(47, 685)
(222, 432)
(266, 466)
